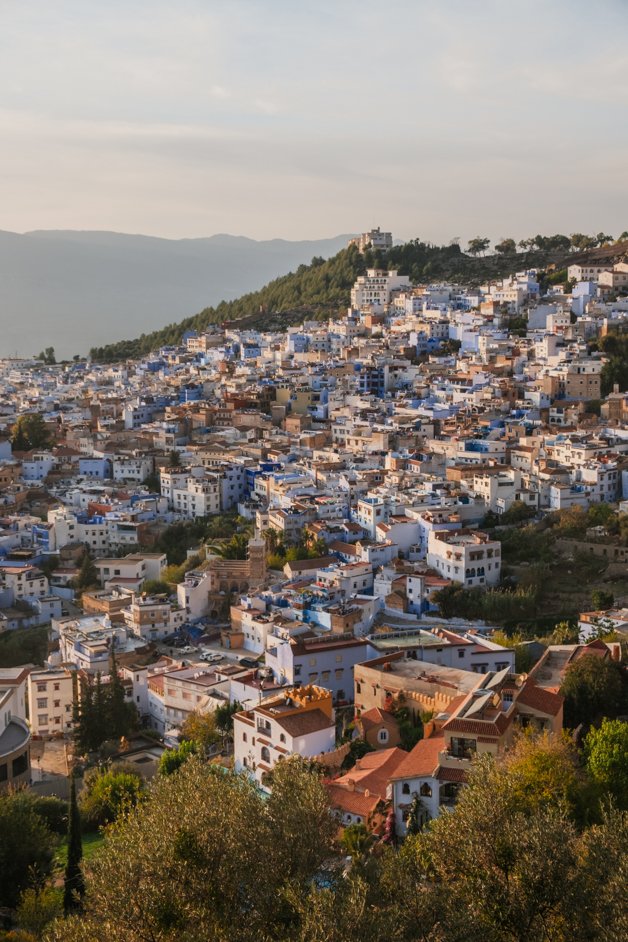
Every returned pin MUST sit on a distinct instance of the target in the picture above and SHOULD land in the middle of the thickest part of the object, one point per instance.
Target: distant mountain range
(75, 290)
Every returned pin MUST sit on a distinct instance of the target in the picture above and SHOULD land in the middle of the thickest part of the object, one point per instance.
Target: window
(405, 790)
(244, 737)
(265, 754)
(383, 735)
(42, 719)
(42, 703)
(41, 688)
(460, 652)
(425, 790)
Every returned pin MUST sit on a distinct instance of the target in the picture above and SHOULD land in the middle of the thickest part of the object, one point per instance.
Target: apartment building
(50, 700)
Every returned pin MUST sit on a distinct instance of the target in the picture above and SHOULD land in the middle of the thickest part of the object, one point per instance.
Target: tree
(121, 716)
(207, 857)
(26, 848)
(109, 794)
(506, 247)
(48, 356)
(73, 884)
(603, 239)
(174, 459)
(37, 909)
(30, 433)
(172, 759)
(606, 750)
(478, 246)
(156, 587)
(87, 575)
(224, 716)
(356, 840)
(200, 728)
(602, 600)
(593, 687)
(581, 242)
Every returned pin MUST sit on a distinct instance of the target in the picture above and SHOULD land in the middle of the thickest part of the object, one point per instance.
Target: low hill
(75, 290)
(323, 288)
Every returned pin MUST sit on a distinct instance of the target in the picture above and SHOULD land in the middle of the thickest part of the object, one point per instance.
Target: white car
(211, 657)
(188, 649)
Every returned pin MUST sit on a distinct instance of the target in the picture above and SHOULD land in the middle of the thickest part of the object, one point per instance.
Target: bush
(108, 794)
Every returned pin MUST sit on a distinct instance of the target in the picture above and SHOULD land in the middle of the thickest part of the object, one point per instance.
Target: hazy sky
(305, 119)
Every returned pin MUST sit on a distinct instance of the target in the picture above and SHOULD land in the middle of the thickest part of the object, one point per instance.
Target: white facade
(50, 699)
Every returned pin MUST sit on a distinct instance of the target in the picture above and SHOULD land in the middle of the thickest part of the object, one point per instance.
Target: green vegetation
(172, 760)
(23, 646)
(494, 605)
(200, 729)
(109, 793)
(322, 288)
(87, 577)
(101, 712)
(30, 432)
(73, 882)
(178, 538)
(594, 688)
(606, 750)
(615, 371)
(26, 848)
(47, 356)
(205, 856)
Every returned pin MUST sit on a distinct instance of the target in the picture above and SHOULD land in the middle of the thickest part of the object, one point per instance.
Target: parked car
(188, 649)
(248, 662)
(212, 657)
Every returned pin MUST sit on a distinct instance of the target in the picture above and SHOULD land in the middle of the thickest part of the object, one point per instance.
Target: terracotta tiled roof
(300, 724)
(377, 717)
(422, 760)
(540, 699)
(373, 771)
(352, 802)
(451, 775)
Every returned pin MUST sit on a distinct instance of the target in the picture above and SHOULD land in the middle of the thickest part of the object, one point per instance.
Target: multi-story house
(325, 660)
(469, 557)
(296, 722)
(485, 720)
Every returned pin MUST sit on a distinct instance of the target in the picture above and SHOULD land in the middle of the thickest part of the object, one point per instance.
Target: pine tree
(73, 885)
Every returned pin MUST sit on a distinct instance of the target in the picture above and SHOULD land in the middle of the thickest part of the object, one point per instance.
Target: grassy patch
(24, 646)
(92, 842)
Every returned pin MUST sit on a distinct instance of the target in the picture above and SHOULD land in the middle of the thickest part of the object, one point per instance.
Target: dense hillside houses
(333, 532)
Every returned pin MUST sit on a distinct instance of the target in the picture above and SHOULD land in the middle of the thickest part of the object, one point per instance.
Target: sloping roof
(300, 724)
(373, 771)
(540, 699)
(422, 760)
(376, 717)
(353, 802)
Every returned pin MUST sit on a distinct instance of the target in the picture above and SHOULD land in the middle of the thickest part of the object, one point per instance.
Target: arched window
(265, 754)
(282, 737)
(405, 788)
(426, 790)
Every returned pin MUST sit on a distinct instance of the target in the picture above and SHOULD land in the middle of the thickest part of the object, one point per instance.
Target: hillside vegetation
(322, 288)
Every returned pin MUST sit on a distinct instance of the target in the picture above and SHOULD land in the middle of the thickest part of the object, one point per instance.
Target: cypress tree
(120, 713)
(73, 884)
